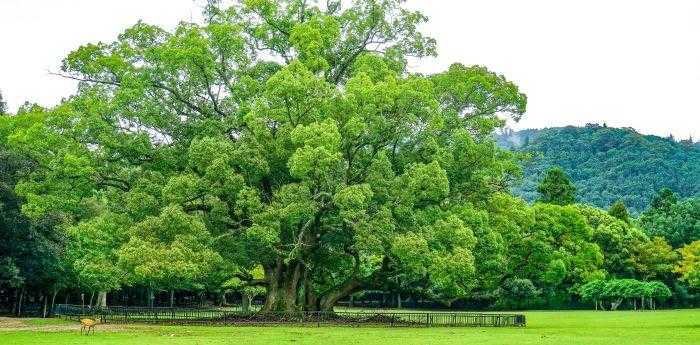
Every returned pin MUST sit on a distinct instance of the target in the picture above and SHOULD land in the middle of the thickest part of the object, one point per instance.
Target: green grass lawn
(565, 328)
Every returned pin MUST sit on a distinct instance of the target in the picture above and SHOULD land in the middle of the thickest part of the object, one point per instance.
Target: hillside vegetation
(607, 164)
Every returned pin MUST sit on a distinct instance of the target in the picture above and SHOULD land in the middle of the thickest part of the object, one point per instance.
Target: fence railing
(193, 316)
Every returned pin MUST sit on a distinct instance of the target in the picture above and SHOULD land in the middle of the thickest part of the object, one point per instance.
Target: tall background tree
(556, 188)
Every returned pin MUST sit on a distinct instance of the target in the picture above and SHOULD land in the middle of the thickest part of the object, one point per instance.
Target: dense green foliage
(608, 164)
(556, 188)
(278, 135)
(676, 221)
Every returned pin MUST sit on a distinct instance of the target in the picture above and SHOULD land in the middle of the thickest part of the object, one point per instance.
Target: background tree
(556, 251)
(593, 291)
(31, 250)
(556, 188)
(689, 266)
(619, 211)
(654, 259)
(676, 221)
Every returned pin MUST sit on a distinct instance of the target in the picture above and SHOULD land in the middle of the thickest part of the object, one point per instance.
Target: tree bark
(14, 302)
(46, 302)
(53, 300)
(329, 300)
(101, 301)
(283, 287)
(19, 302)
(172, 298)
(150, 297)
(245, 302)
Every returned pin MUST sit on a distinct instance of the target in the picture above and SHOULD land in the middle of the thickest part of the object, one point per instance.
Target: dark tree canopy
(556, 188)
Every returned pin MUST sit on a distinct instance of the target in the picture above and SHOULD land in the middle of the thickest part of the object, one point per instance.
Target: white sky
(629, 63)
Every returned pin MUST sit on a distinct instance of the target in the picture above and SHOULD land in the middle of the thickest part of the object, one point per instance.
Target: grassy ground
(581, 327)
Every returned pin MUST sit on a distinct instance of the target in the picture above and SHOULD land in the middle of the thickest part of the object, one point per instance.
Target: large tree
(294, 137)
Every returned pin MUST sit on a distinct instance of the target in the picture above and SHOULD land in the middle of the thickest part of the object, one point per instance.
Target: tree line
(608, 164)
(283, 150)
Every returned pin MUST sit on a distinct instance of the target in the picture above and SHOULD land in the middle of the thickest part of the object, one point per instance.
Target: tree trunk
(101, 301)
(92, 295)
(150, 297)
(245, 302)
(223, 301)
(329, 300)
(283, 287)
(46, 303)
(289, 289)
(14, 302)
(172, 298)
(53, 300)
(615, 304)
(398, 300)
(19, 302)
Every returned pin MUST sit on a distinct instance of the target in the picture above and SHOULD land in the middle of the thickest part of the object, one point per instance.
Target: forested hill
(607, 164)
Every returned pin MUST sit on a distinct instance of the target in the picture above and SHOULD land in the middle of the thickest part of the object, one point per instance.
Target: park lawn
(566, 328)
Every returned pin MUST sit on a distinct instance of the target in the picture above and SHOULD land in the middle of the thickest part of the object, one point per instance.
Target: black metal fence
(224, 316)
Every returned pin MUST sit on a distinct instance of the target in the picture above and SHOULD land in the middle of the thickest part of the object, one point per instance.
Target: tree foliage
(607, 164)
(278, 134)
(676, 221)
(689, 266)
(556, 188)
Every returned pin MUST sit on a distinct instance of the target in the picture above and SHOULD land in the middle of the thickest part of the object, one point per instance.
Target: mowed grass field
(565, 328)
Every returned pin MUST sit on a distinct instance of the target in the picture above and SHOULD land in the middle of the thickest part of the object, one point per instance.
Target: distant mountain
(608, 164)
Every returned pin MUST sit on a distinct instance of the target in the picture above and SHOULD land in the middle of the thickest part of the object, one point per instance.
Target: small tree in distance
(556, 188)
(619, 211)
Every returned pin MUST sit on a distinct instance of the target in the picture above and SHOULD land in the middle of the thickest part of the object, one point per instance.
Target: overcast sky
(629, 63)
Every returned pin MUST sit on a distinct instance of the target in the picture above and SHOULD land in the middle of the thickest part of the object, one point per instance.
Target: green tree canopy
(689, 265)
(556, 188)
(619, 211)
(676, 221)
(289, 136)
